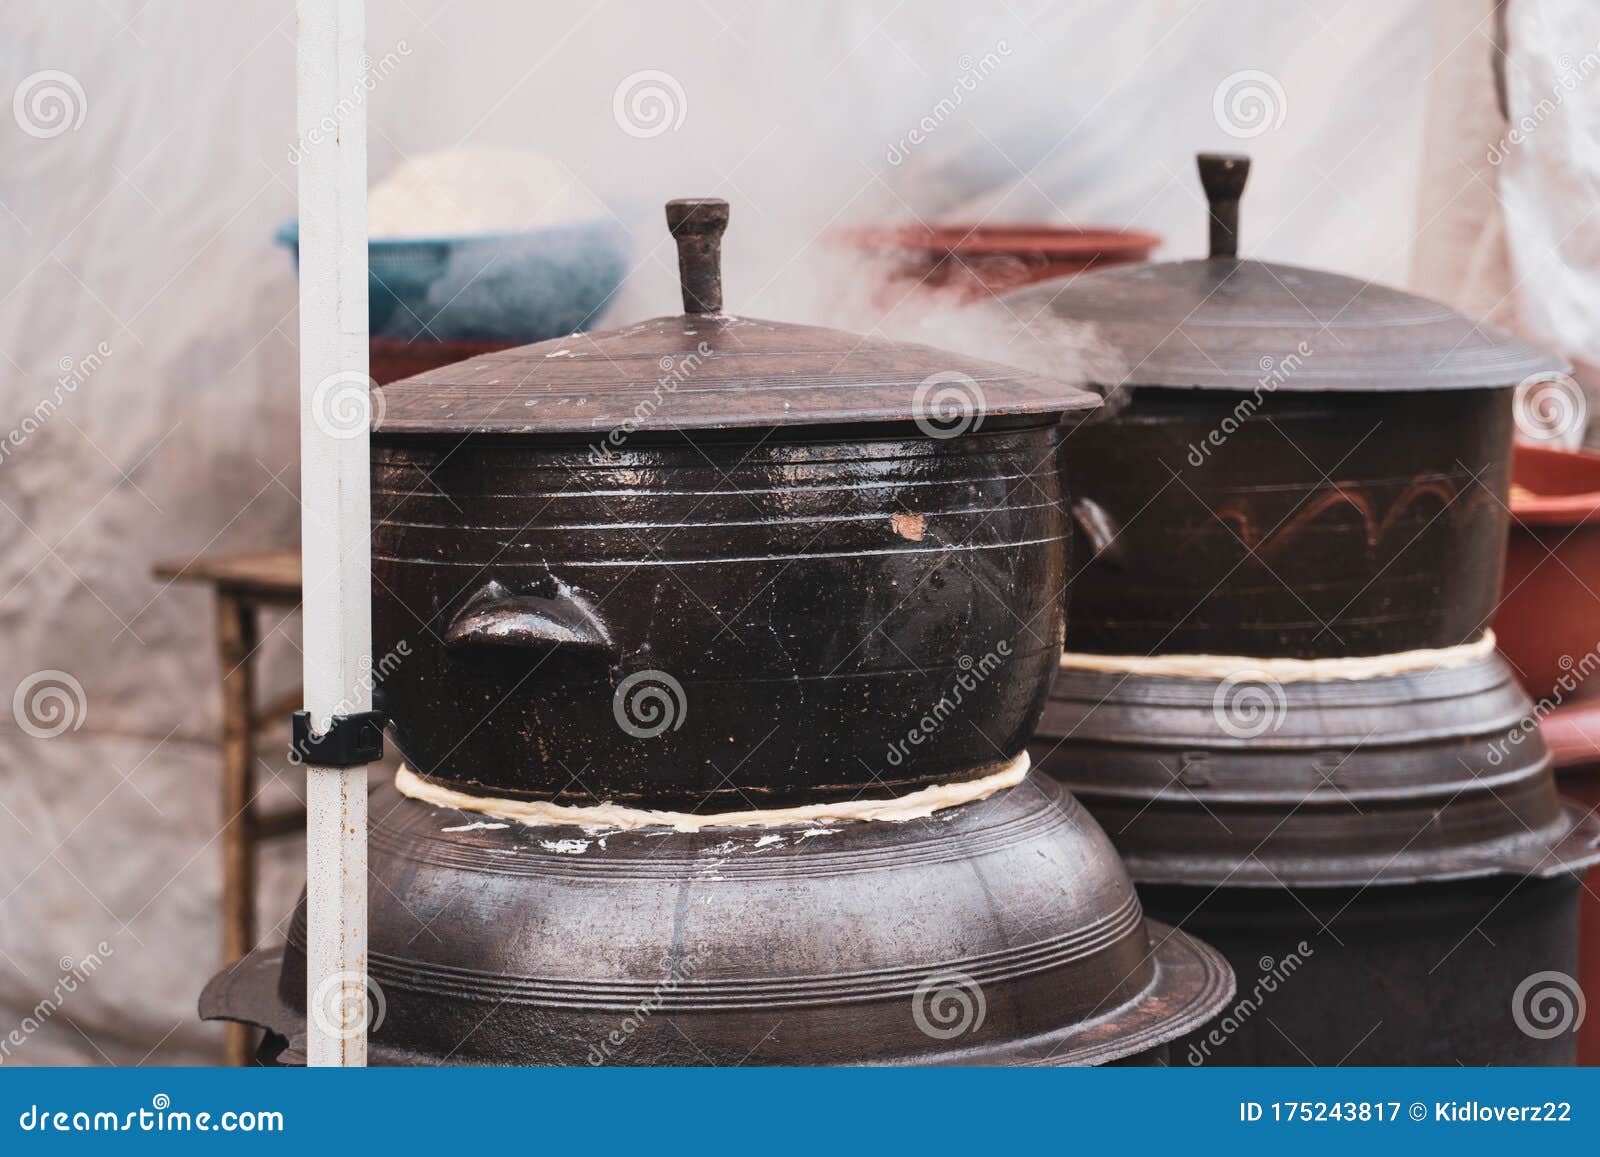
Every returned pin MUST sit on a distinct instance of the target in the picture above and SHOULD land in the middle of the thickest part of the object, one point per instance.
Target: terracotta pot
(1573, 735)
(962, 263)
(392, 358)
(1548, 622)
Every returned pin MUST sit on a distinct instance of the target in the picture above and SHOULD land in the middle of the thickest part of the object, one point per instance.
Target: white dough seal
(1282, 670)
(537, 813)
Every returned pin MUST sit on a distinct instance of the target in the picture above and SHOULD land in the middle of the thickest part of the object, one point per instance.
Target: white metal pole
(335, 517)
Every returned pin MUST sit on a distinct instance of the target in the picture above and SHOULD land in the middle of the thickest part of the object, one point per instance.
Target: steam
(873, 291)
(1069, 351)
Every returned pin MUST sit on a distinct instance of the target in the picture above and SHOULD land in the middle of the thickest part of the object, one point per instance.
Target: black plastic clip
(350, 741)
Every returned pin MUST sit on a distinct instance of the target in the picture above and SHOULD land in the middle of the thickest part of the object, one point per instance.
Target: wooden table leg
(236, 639)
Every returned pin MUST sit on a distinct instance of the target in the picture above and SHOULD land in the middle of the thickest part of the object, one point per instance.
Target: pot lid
(707, 369)
(1230, 323)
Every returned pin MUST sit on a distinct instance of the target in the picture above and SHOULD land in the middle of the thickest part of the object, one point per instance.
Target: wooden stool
(245, 584)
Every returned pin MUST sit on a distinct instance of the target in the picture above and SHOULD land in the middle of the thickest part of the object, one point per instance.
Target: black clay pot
(1001, 932)
(717, 624)
(1293, 463)
(710, 562)
(1322, 525)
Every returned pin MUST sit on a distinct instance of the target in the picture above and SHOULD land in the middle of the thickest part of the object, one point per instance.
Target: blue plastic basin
(520, 287)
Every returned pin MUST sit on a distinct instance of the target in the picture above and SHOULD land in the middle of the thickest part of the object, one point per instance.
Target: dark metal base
(1422, 974)
(1192, 977)
(1406, 830)
(1002, 932)
(1402, 779)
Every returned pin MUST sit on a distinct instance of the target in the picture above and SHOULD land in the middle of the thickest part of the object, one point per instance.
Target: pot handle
(495, 617)
(1223, 176)
(697, 224)
(1100, 529)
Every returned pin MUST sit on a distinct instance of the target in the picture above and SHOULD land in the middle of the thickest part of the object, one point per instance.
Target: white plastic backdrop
(134, 254)
(1549, 162)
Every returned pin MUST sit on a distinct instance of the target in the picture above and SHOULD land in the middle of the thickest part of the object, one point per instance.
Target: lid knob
(697, 224)
(1223, 176)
